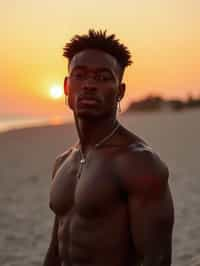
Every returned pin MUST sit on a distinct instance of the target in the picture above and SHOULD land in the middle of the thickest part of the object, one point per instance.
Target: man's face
(93, 86)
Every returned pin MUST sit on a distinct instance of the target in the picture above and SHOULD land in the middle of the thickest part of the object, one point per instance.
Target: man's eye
(105, 77)
(78, 75)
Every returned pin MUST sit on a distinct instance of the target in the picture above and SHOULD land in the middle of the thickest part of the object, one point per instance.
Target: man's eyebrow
(105, 69)
(80, 67)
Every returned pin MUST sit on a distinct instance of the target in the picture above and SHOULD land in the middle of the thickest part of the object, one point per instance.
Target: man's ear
(66, 91)
(122, 88)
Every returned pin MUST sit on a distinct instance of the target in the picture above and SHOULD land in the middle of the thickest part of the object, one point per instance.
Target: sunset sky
(163, 37)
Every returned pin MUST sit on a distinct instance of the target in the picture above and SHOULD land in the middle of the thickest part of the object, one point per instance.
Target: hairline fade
(98, 40)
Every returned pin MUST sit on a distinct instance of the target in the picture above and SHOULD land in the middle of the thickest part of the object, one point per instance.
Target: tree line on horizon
(157, 103)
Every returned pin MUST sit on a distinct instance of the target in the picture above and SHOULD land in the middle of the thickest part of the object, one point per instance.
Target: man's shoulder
(62, 156)
(141, 156)
(60, 159)
(140, 166)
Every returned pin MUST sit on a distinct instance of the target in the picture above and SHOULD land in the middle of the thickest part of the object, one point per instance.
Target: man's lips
(88, 100)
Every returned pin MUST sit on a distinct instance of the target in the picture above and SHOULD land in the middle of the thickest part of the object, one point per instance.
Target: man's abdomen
(96, 240)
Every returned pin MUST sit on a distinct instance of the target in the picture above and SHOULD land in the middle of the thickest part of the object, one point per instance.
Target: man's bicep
(151, 222)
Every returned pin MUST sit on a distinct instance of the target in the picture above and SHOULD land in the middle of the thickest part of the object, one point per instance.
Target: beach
(26, 161)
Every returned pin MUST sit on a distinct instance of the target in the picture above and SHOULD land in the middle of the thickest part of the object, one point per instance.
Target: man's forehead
(94, 59)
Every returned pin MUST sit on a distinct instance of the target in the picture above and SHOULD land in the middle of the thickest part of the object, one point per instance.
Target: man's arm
(150, 208)
(151, 227)
(52, 256)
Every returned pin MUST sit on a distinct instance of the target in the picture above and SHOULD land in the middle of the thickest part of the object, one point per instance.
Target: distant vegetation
(157, 103)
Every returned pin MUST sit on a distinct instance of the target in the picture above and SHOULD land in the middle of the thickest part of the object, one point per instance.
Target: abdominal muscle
(95, 240)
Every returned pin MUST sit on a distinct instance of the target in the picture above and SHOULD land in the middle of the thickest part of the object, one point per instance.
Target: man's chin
(89, 115)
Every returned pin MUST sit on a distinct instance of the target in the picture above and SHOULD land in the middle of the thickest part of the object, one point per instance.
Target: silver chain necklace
(97, 145)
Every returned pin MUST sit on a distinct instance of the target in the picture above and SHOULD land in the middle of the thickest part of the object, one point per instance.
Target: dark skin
(120, 211)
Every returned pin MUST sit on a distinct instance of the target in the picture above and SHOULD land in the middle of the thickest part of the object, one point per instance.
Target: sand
(26, 160)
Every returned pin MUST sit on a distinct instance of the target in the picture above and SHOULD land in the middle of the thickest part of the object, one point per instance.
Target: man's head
(105, 58)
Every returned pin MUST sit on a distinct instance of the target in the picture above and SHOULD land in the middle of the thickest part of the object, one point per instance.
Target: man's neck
(91, 132)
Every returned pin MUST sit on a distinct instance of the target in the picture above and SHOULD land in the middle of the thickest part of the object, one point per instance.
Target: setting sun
(56, 92)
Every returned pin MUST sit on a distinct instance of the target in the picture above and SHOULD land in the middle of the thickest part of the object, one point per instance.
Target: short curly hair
(101, 41)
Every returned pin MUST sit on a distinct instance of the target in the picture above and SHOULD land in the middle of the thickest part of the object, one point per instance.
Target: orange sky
(163, 36)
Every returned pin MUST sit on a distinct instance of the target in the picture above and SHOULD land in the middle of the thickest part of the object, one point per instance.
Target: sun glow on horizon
(56, 92)
(165, 49)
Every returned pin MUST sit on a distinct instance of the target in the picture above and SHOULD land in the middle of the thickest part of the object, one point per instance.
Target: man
(109, 192)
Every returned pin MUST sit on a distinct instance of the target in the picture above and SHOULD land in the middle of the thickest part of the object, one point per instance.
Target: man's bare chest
(92, 193)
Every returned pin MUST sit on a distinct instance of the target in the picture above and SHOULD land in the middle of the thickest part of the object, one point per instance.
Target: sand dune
(26, 160)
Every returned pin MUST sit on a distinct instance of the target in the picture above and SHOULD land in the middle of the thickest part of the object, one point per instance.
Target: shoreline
(34, 127)
(20, 122)
(61, 121)
(36, 124)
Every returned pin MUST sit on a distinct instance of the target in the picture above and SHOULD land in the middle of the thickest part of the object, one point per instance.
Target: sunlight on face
(56, 92)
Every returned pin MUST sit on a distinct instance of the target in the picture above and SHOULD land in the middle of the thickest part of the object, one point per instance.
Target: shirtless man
(109, 192)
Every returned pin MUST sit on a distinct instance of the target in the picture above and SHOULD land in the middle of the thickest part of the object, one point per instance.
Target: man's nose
(90, 84)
